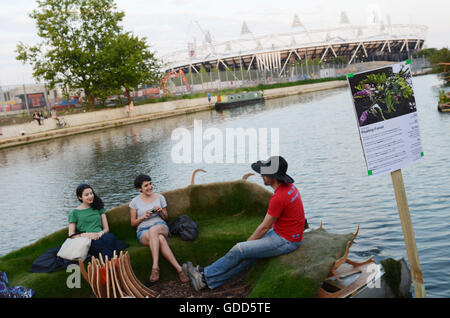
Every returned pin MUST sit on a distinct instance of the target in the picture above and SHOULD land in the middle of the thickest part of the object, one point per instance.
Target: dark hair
(140, 179)
(97, 204)
(274, 177)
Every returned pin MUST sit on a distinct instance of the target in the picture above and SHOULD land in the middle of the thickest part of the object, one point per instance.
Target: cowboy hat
(275, 167)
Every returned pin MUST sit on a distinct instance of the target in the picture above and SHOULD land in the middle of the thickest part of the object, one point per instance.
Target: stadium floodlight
(344, 18)
(297, 23)
(245, 29)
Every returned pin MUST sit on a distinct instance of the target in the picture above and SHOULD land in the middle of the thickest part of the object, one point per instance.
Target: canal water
(317, 135)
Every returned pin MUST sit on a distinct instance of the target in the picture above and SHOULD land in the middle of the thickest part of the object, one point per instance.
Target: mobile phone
(154, 211)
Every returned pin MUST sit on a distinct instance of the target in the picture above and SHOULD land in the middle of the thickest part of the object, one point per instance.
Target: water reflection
(318, 137)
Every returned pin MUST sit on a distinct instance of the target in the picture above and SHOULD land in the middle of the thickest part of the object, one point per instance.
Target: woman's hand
(157, 209)
(147, 214)
(163, 214)
(93, 236)
(161, 211)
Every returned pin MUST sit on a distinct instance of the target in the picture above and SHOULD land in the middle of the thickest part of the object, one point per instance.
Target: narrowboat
(238, 99)
(444, 107)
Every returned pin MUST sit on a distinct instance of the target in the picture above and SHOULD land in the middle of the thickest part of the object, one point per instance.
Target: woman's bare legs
(156, 239)
(150, 239)
(167, 253)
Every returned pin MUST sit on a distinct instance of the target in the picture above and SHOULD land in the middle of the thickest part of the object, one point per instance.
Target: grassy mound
(301, 273)
(227, 212)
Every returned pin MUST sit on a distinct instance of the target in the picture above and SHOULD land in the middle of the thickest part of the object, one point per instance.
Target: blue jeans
(106, 245)
(244, 254)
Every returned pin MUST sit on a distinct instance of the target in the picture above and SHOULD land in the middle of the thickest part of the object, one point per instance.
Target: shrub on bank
(238, 90)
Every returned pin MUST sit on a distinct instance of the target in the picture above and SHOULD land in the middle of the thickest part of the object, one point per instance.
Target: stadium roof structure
(375, 41)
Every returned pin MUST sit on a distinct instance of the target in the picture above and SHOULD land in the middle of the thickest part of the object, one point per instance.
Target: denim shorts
(145, 229)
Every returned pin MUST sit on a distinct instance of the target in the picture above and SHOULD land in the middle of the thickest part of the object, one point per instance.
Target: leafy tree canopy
(441, 56)
(83, 47)
(435, 56)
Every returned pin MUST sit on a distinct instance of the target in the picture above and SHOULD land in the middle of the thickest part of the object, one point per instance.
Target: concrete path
(17, 135)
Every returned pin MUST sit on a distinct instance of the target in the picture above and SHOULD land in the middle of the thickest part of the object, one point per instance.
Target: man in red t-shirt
(287, 208)
(280, 232)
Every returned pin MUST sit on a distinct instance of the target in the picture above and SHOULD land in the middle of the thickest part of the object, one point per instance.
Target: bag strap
(76, 233)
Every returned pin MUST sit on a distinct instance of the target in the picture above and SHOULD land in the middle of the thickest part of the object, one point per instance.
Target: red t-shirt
(287, 206)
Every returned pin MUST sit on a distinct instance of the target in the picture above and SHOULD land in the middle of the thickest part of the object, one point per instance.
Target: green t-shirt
(87, 220)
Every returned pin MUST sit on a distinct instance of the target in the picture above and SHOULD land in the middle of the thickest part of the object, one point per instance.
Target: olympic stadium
(376, 41)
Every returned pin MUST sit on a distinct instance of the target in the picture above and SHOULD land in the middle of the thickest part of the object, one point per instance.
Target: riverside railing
(16, 100)
(239, 78)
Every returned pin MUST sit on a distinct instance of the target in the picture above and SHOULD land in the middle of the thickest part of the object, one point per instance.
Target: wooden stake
(408, 233)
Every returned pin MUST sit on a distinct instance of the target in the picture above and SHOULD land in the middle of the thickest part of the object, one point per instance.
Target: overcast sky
(170, 24)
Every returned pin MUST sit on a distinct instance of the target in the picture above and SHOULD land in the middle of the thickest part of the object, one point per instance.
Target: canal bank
(22, 134)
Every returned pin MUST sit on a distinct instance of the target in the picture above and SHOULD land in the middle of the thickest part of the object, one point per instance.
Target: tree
(75, 51)
(440, 56)
(425, 53)
(435, 57)
(131, 64)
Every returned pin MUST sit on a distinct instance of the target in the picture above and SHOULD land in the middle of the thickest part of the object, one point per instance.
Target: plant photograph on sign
(382, 94)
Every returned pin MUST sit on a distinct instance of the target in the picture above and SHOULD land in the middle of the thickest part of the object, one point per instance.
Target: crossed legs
(156, 239)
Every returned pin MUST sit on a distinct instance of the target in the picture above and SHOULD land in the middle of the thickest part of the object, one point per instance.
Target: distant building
(274, 52)
(18, 97)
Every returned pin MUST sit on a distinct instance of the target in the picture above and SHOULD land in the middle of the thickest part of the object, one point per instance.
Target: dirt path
(235, 288)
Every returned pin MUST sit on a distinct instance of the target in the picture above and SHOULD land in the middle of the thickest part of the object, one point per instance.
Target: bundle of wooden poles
(114, 278)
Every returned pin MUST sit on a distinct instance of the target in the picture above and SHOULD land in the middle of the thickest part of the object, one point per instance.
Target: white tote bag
(75, 248)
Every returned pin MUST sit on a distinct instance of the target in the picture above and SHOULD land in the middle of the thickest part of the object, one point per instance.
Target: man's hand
(262, 229)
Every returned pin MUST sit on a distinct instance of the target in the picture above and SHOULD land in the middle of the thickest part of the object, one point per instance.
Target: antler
(194, 173)
(356, 233)
(245, 176)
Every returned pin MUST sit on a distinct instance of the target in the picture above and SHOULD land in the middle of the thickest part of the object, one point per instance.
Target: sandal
(154, 277)
(182, 276)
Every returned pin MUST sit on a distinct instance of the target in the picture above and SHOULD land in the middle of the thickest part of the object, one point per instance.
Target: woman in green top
(89, 220)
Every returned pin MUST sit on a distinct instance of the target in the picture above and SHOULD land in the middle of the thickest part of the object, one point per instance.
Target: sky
(170, 24)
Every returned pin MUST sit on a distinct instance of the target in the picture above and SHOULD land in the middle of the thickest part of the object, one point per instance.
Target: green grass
(270, 280)
(216, 237)
(227, 213)
(238, 90)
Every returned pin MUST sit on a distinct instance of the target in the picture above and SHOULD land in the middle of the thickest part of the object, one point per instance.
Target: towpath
(17, 135)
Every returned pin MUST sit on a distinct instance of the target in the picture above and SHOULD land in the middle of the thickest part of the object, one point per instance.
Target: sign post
(408, 233)
(386, 114)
